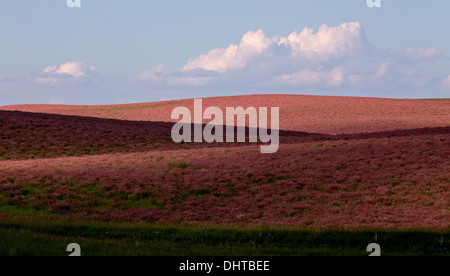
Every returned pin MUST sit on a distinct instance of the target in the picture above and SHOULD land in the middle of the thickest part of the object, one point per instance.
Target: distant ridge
(314, 114)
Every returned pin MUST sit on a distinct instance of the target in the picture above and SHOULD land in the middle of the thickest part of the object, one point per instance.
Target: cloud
(411, 56)
(308, 77)
(157, 76)
(367, 78)
(235, 56)
(338, 58)
(69, 73)
(446, 82)
(328, 43)
(421, 53)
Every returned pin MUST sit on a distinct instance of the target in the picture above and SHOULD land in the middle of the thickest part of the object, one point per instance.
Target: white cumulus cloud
(69, 73)
(235, 56)
(333, 58)
(326, 44)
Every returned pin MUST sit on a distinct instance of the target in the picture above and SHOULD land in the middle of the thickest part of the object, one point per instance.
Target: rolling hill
(342, 163)
(312, 114)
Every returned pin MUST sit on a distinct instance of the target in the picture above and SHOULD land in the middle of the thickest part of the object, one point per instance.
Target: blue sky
(113, 51)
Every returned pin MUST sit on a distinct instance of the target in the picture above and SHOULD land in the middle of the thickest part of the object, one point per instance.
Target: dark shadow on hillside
(25, 135)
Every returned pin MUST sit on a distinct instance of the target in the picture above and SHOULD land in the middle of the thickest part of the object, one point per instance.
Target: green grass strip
(126, 239)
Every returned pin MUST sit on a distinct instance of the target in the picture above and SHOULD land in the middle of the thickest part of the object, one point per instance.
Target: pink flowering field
(312, 114)
(343, 163)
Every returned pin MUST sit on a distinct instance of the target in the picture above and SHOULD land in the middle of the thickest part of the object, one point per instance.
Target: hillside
(387, 167)
(312, 114)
